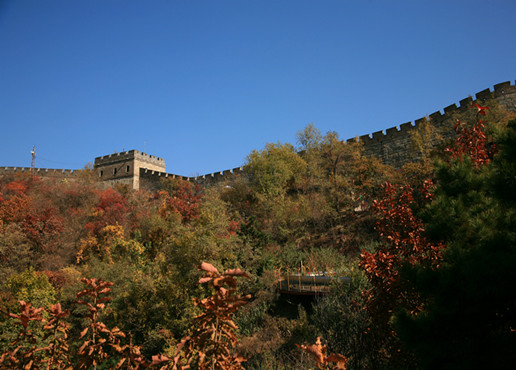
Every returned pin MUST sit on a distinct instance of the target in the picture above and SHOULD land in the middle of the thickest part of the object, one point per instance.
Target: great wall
(392, 146)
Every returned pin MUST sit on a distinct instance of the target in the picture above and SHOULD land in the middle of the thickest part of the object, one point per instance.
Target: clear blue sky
(203, 83)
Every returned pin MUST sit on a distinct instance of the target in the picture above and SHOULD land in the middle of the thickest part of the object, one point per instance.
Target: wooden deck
(306, 284)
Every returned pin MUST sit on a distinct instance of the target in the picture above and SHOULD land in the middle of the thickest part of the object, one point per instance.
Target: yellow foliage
(110, 241)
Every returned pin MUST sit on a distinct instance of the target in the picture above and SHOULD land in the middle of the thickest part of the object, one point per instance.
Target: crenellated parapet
(392, 145)
(217, 176)
(151, 179)
(43, 172)
(140, 170)
(129, 156)
(125, 167)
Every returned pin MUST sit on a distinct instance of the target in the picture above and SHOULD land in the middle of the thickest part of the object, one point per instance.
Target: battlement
(43, 172)
(128, 156)
(392, 145)
(218, 176)
(150, 179)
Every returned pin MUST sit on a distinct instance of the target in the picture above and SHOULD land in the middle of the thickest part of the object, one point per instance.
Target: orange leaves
(211, 342)
(318, 351)
(17, 187)
(15, 208)
(236, 272)
(204, 266)
(93, 351)
(27, 314)
(30, 349)
(217, 280)
(213, 337)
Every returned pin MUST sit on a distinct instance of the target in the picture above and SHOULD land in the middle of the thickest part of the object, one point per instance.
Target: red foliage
(42, 227)
(185, 201)
(234, 227)
(472, 141)
(40, 224)
(480, 109)
(111, 209)
(57, 278)
(404, 242)
(15, 208)
(17, 187)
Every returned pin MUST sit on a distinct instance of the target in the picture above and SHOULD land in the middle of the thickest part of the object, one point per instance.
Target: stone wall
(43, 172)
(125, 167)
(150, 179)
(392, 146)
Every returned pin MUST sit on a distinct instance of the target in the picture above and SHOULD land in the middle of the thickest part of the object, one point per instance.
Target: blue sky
(203, 83)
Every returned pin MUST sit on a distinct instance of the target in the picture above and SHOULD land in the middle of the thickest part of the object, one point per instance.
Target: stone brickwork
(125, 167)
(43, 172)
(151, 179)
(392, 146)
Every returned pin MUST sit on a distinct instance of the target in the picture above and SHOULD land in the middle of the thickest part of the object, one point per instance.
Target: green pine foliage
(470, 313)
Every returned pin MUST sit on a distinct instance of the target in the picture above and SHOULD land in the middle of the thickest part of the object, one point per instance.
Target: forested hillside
(96, 278)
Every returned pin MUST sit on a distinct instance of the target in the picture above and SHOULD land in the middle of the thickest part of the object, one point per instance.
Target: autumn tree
(38, 221)
(403, 243)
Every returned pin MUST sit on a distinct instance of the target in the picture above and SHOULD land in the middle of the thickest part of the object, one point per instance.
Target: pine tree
(469, 318)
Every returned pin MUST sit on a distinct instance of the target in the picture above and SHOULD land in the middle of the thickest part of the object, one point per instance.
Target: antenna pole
(33, 162)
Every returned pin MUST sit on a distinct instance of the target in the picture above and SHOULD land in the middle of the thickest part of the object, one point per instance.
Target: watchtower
(124, 167)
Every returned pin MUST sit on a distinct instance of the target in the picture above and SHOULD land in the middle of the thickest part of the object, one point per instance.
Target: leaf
(159, 359)
(204, 266)
(83, 333)
(236, 272)
(120, 363)
(204, 280)
(340, 359)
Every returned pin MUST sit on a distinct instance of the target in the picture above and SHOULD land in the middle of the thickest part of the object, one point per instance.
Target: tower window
(101, 173)
(127, 169)
(114, 171)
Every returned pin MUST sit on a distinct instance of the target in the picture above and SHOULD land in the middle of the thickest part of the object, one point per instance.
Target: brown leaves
(27, 314)
(318, 351)
(211, 342)
(33, 350)
(94, 350)
(204, 266)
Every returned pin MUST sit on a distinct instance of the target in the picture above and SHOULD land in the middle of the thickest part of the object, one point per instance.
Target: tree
(275, 173)
(470, 313)
(213, 338)
(111, 209)
(182, 198)
(403, 243)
